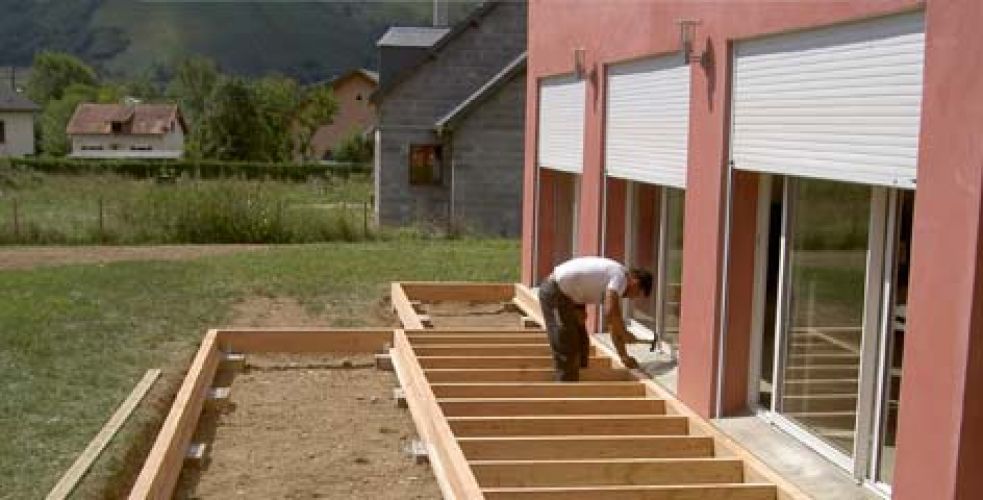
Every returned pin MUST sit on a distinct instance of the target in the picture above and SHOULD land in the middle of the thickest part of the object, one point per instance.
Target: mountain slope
(307, 40)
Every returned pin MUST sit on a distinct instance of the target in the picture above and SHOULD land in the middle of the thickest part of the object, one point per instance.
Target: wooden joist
(404, 308)
(303, 340)
(424, 339)
(436, 375)
(428, 362)
(585, 447)
(538, 390)
(630, 471)
(572, 425)
(740, 491)
(516, 349)
(488, 407)
(449, 291)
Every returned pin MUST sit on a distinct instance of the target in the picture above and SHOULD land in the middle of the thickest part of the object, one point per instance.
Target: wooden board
(163, 465)
(585, 447)
(465, 339)
(428, 362)
(436, 375)
(404, 308)
(446, 458)
(458, 291)
(560, 425)
(538, 390)
(489, 407)
(303, 340)
(690, 492)
(485, 350)
(631, 471)
(81, 465)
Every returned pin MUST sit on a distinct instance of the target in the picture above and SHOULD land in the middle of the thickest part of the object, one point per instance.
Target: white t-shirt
(585, 279)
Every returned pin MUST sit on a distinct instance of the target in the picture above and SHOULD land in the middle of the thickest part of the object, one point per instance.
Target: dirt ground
(280, 311)
(306, 427)
(473, 314)
(31, 257)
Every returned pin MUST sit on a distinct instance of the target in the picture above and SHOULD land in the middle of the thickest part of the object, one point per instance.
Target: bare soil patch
(284, 311)
(473, 314)
(32, 257)
(305, 427)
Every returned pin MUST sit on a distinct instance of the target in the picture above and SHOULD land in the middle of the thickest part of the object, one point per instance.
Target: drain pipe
(725, 281)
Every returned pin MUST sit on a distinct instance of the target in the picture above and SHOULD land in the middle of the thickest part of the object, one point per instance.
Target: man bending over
(563, 297)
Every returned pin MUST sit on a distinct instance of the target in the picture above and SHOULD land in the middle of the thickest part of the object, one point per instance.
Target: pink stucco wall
(943, 365)
(353, 115)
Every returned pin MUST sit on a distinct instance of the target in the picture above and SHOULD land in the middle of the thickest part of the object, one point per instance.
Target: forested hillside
(130, 38)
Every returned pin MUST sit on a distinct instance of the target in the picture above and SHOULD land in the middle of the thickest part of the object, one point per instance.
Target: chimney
(440, 13)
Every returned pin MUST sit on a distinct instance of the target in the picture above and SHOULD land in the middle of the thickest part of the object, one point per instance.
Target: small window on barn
(92, 147)
(117, 127)
(141, 147)
(425, 164)
(3, 132)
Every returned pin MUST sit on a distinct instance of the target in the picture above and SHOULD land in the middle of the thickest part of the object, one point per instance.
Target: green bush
(197, 169)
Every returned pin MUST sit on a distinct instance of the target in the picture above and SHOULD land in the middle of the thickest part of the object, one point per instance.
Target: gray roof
(488, 89)
(407, 36)
(11, 100)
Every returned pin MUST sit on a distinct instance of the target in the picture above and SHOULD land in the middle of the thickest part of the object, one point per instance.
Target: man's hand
(629, 362)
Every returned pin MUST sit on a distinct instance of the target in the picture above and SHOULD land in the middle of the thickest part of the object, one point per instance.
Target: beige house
(355, 113)
(152, 131)
(16, 123)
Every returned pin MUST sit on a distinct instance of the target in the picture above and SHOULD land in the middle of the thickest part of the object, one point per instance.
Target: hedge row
(201, 169)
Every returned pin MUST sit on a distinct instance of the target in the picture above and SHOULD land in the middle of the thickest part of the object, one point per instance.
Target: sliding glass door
(831, 300)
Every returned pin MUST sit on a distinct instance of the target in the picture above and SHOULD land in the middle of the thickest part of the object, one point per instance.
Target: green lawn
(75, 339)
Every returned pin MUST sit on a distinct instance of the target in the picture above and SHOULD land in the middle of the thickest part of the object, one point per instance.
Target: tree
(231, 126)
(53, 72)
(317, 109)
(278, 99)
(54, 119)
(194, 80)
(356, 148)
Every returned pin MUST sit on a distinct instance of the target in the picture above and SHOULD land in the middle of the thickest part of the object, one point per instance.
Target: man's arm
(619, 334)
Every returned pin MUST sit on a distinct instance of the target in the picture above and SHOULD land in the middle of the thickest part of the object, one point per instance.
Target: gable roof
(517, 66)
(451, 34)
(372, 76)
(412, 36)
(11, 100)
(137, 119)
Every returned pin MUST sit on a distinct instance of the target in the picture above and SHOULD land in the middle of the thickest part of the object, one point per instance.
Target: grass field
(38, 208)
(74, 339)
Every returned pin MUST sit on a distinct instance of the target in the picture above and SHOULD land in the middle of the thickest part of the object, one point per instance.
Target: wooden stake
(78, 469)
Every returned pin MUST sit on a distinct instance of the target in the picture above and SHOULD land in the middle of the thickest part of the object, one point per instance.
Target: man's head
(639, 283)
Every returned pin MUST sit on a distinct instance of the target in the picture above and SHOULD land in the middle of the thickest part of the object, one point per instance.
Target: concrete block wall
(410, 110)
(488, 163)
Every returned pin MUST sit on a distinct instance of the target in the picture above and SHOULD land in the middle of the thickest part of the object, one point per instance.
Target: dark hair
(644, 279)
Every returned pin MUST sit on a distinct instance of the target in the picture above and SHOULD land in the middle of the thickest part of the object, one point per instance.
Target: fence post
(16, 222)
(102, 233)
(365, 220)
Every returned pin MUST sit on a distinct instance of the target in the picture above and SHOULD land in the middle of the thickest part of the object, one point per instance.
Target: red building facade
(815, 267)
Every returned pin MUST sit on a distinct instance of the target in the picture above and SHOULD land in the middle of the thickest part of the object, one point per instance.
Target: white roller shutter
(840, 103)
(561, 123)
(647, 126)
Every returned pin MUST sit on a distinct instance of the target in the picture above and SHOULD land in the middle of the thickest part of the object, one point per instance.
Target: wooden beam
(436, 375)
(458, 291)
(450, 467)
(163, 465)
(585, 447)
(91, 452)
(303, 340)
(516, 349)
(404, 308)
(538, 390)
(686, 492)
(455, 407)
(553, 425)
(626, 471)
(528, 303)
(463, 339)
(754, 469)
(499, 362)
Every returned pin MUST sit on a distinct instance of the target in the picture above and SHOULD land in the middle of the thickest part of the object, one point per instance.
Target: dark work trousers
(564, 320)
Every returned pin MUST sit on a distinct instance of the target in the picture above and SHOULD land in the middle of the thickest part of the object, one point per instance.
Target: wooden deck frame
(406, 294)
(163, 465)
